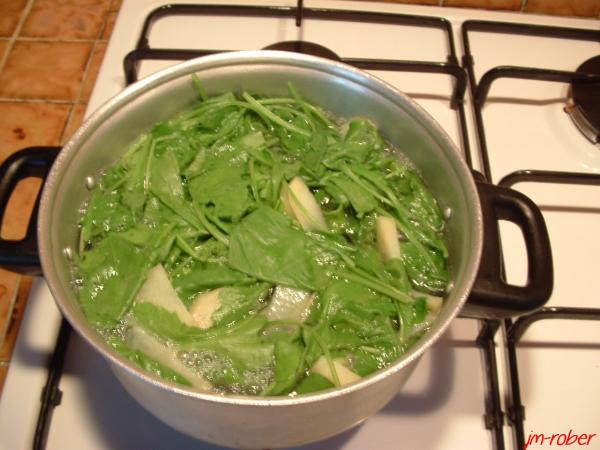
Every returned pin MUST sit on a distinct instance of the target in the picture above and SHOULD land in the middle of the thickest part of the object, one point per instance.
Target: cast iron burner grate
(585, 86)
(448, 67)
(308, 48)
(583, 104)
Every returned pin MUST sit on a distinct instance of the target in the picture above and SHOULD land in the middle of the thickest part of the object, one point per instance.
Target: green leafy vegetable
(111, 274)
(266, 246)
(313, 383)
(241, 197)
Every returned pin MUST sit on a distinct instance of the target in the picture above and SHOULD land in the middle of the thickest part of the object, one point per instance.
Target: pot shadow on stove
(448, 382)
(118, 420)
(438, 388)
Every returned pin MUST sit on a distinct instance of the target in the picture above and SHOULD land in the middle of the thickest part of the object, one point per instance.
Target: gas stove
(500, 86)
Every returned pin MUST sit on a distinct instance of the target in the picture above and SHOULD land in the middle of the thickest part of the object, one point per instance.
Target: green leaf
(236, 303)
(199, 87)
(111, 274)
(266, 246)
(224, 187)
(289, 367)
(200, 277)
(105, 213)
(134, 190)
(421, 275)
(314, 382)
(362, 139)
(361, 200)
(354, 318)
(345, 297)
(168, 327)
(181, 208)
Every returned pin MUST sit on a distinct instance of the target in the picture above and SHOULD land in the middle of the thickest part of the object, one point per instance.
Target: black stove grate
(449, 67)
(514, 330)
(480, 89)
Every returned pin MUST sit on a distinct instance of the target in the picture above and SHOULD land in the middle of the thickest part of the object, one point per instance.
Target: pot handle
(22, 255)
(492, 297)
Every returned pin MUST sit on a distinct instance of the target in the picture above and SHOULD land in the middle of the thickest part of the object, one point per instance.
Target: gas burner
(308, 48)
(583, 104)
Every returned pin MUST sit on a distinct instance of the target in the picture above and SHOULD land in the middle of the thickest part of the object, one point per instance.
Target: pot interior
(339, 89)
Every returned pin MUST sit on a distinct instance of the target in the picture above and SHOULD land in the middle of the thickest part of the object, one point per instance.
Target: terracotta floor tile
(17, 315)
(9, 282)
(582, 8)
(110, 24)
(115, 5)
(414, 2)
(47, 70)
(92, 73)
(27, 124)
(10, 12)
(75, 121)
(514, 5)
(66, 19)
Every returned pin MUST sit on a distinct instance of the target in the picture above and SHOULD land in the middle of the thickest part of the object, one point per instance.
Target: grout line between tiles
(37, 100)
(57, 40)
(86, 71)
(523, 5)
(67, 124)
(11, 41)
(85, 75)
(11, 308)
(103, 27)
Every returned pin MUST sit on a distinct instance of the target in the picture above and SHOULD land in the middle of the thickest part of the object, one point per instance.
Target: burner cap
(584, 103)
(308, 48)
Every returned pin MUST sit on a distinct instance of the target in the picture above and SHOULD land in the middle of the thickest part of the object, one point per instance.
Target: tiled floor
(50, 53)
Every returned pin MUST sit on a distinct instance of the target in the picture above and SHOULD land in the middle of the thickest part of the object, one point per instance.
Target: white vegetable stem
(387, 238)
(289, 304)
(345, 375)
(434, 304)
(204, 306)
(157, 289)
(300, 203)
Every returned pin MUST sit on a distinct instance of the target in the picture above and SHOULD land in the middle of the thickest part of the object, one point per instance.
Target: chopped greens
(244, 203)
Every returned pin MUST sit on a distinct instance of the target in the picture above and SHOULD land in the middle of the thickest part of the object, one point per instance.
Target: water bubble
(68, 253)
(90, 182)
(447, 212)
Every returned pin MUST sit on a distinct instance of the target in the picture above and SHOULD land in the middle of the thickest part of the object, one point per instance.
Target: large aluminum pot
(346, 92)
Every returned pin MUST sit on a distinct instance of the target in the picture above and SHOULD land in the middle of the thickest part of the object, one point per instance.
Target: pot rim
(221, 60)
